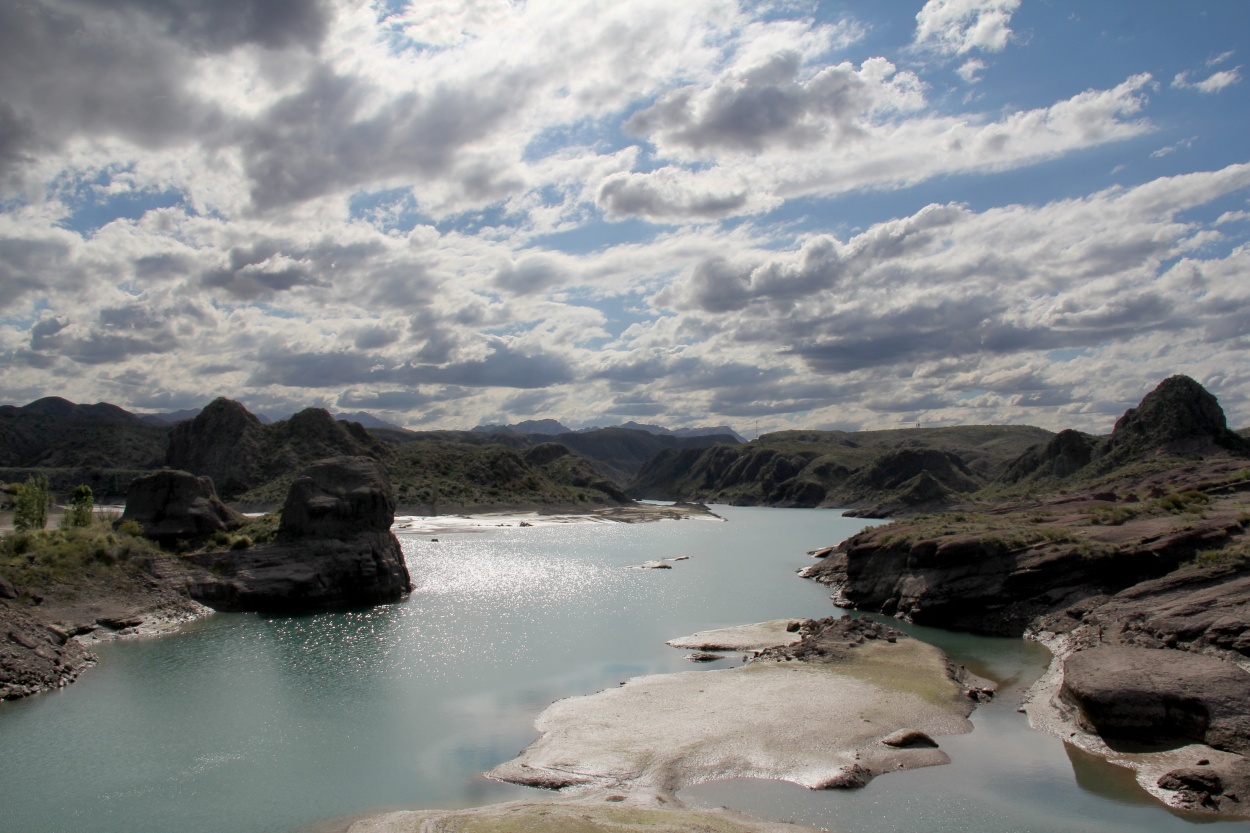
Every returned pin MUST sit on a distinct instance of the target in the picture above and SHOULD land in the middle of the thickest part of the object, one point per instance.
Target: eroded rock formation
(174, 506)
(334, 547)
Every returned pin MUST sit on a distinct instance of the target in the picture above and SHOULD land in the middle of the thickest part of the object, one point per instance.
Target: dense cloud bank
(705, 212)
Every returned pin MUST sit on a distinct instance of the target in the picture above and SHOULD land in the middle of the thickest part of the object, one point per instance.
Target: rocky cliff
(334, 547)
(229, 444)
(1134, 568)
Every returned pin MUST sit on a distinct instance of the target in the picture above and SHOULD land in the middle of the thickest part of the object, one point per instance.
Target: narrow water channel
(262, 724)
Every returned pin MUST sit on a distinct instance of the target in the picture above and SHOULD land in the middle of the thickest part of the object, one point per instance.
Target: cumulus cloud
(869, 151)
(442, 211)
(956, 27)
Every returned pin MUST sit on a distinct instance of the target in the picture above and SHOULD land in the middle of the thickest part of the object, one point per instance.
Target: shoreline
(846, 701)
(1047, 714)
(50, 643)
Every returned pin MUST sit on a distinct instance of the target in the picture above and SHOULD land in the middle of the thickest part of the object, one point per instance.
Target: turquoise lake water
(265, 724)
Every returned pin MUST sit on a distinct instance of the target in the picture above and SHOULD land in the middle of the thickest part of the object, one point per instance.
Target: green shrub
(30, 504)
(1177, 502)
(241, 543)
(130, 527)
(1113, 515)
(81, 509)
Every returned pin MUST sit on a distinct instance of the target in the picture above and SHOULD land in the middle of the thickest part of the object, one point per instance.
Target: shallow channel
(263, 724)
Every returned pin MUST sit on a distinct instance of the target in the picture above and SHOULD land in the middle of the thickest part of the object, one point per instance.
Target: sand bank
(641, 513)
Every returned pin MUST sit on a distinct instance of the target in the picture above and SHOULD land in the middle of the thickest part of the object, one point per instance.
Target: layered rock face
(1159, 697)
(176, 505)
(35, 656)
(334, 547)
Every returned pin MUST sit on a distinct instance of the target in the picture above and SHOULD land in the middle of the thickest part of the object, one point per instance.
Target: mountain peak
(1179, 416)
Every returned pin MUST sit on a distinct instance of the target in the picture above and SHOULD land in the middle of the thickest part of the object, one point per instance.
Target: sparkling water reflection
(259, 724)
(255, 723)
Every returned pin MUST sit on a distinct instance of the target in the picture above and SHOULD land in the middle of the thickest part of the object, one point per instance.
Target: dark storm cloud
(763, 106)
(503, 368)
(716, 285)
(43, 333)
(71, 70)
(29, 266)
(371, 338)
(163, 267)
(260, 270)
(316, 141)
(529, 275)
(221, 25)
(927, 331)
(389, 400)
(315, 370)
(17, 138)
(529, 403)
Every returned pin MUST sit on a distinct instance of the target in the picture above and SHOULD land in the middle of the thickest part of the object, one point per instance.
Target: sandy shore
(642, 513)
(614, 814)
(618, 757)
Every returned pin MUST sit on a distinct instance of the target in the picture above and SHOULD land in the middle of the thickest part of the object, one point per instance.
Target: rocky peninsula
(1128, 558)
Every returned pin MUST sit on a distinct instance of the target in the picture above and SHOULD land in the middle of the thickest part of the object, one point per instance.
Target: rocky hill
(1178, 418)
(1129, 557)
(100, 445)
(924, 468)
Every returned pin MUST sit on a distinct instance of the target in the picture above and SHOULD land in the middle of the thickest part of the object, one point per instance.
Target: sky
(769, 215)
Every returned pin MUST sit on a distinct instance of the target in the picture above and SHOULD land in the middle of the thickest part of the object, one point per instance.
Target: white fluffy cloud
(449, 212)
(956, 27)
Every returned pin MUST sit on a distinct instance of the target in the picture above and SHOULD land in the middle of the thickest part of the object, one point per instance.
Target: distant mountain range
(553, 427)
(884, 473)
(366, 419)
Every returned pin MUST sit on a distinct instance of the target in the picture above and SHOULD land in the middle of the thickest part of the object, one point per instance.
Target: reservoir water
(265, 724)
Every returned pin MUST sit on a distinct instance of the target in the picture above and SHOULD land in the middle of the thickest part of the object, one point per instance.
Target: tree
(81, 507)
(30, 504)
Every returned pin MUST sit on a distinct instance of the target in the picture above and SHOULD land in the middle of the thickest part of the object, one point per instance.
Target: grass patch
(1233, 555)
(64, 557)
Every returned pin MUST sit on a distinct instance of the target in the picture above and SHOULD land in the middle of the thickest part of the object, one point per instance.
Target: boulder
(906, 738)
(177, 505)
(1159, 696)
(338, 498)
(1219, 787)
(334, 548)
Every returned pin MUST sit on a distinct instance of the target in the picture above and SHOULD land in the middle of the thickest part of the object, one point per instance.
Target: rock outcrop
(35, 656)
(229, 444)
(1179, 417)
(1065, 454)
(1159, 697)
(174, 506)
(222, 442)
(334, 547)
